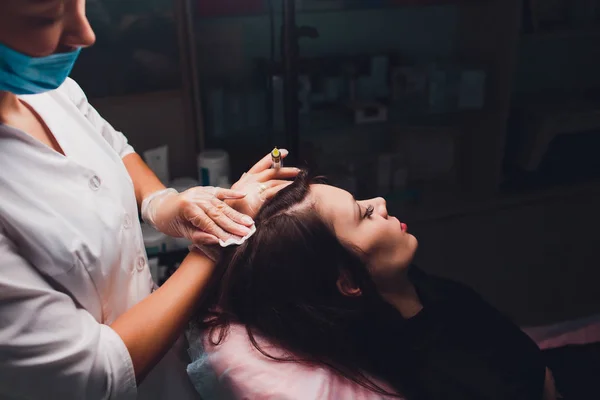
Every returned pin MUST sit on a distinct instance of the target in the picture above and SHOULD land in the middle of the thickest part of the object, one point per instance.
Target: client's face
(386, 245)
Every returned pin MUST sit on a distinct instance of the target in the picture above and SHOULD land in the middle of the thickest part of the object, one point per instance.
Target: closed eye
(368, 212)
(45, 21)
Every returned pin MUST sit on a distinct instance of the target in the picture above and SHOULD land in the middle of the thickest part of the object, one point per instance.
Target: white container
(213, 167)
(183, 184)
(158, 161)
(224, 183)
(155, 242)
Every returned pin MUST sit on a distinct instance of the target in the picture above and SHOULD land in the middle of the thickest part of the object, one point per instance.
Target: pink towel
(250, 375)
(242, 372)
(577, 332)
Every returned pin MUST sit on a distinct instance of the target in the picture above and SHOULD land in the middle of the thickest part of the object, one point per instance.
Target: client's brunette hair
(281, 284)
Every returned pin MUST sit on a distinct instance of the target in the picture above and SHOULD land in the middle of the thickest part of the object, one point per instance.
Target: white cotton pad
(235, 240)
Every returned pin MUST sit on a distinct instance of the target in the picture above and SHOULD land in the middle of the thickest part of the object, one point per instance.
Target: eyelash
(45, 21)
(369, 212)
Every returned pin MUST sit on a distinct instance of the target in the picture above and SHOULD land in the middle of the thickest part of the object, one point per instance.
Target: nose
(382, 207)
(78, 31)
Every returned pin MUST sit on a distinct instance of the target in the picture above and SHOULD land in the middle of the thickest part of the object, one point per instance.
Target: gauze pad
(214, 253)
(238, 240)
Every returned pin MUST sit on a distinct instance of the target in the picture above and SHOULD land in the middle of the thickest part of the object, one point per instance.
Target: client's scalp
(305, 205)
(292, 200)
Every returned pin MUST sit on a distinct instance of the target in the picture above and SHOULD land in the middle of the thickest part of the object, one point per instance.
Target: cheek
(31, 40)
(393, 253)
(381, 238)
(40, 42)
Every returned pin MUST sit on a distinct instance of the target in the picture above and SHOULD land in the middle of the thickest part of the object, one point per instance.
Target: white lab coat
(72, 260)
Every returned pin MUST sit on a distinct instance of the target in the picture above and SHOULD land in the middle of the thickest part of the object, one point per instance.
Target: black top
(465, 349)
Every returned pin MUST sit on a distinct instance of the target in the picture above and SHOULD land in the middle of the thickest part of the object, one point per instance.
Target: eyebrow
(43, 5)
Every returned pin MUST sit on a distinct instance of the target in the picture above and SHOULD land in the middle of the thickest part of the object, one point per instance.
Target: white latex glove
(198, 214)
(261, 183)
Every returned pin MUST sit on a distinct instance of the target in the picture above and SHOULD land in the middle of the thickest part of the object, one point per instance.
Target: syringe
(276, 159)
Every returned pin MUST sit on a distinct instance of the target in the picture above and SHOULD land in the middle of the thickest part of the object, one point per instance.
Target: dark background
(502, 194)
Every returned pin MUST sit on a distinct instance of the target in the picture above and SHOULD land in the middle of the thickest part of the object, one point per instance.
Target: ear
(346, 286)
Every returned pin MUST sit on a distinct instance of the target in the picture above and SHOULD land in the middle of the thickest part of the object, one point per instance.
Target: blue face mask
(22, 74)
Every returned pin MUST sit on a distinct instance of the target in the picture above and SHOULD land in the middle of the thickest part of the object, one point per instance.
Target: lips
(403, 226)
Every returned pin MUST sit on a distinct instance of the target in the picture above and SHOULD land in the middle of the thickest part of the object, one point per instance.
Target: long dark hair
(282, 285)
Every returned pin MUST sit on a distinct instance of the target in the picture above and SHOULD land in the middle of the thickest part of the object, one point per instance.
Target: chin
(409, 241)
(413, 245)
(414, 242)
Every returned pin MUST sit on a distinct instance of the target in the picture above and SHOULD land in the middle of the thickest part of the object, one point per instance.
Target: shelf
(337, 121)
(359, 5)
(346, 6)
(563, 34)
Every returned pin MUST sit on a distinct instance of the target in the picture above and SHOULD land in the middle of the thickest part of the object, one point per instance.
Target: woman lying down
(323, 303)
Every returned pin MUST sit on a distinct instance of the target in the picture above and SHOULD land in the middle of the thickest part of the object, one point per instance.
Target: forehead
(333, 203)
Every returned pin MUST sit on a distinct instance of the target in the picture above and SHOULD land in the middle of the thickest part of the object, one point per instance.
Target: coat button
(127, 222)
(95, 182)
(141, 263)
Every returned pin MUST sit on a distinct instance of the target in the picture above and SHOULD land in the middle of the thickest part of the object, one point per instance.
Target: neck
(9, 103)
(404, 298)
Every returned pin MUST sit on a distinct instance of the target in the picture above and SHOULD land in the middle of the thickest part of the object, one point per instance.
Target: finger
(281, 173)
(203, 238)
(271, 192)
(238, 217)
(266, 162)
(219, 212)
(198, 217)
(228, 194)
(275, 182)
(204, 192)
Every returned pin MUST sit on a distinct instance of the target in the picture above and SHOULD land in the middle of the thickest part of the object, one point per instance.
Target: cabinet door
(133, 76)
(214, 8)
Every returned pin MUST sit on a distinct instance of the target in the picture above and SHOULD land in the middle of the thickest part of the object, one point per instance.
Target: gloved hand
(261, 183)
(198, 214)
